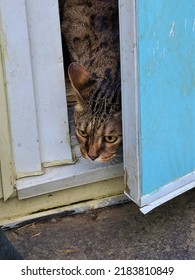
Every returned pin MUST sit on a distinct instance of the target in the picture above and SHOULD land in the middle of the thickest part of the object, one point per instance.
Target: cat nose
(92, 153)
(92, 157)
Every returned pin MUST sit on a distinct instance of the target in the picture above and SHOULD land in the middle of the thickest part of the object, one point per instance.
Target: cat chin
(104, 160)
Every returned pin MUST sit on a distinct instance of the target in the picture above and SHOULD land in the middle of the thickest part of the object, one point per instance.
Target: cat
(90, 30)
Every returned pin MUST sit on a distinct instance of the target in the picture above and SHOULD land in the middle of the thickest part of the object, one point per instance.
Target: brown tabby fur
(90, 30)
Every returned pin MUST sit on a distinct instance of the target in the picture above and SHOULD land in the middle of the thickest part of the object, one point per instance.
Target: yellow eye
(82, 133)
(111, 139)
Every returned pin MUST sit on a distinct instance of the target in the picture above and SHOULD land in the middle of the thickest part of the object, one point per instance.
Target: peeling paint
(126, 179)
(157, 45)
(165, 80)
(164, 52)
(185, 23)
(193, 27)
(171, 33)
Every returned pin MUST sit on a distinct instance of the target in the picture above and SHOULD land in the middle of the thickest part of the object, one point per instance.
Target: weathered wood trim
(130, 97)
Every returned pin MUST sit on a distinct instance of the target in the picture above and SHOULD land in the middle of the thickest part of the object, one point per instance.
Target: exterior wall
(166, 54)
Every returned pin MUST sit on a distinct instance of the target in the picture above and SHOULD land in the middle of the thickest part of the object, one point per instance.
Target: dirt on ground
(119, 232)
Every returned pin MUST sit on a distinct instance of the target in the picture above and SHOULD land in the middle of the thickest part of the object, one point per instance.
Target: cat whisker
(115, 160)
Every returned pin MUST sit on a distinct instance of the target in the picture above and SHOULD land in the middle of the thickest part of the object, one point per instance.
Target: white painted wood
(130, 97)
(19, 88)
(169, 191)
(48, 77)
(63, 177)
(6, 161)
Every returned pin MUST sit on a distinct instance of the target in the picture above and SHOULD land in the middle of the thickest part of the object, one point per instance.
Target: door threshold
(73, 209)
(63, 177)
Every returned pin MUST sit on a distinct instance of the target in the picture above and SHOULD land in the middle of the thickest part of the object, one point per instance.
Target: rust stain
(126, 179)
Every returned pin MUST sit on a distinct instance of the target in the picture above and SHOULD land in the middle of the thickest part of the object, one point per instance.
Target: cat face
(99, 134)
(98, 142)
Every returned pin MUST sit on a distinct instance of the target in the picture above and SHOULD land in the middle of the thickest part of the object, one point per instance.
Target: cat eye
(111, 139)
(82, 133)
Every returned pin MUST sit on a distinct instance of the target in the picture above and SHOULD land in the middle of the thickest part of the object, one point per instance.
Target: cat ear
(79, 77)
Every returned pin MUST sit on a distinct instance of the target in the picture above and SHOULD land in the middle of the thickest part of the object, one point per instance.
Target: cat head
(97, 116)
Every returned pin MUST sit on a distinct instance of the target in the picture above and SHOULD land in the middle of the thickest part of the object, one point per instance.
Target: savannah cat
(91, 33)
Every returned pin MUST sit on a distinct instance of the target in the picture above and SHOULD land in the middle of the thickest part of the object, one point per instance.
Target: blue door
(158, 93)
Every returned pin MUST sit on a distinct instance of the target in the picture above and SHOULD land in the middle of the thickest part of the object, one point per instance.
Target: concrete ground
(119, 232)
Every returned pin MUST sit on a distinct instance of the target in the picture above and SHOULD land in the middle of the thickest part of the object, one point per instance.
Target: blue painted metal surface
(166, 44)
